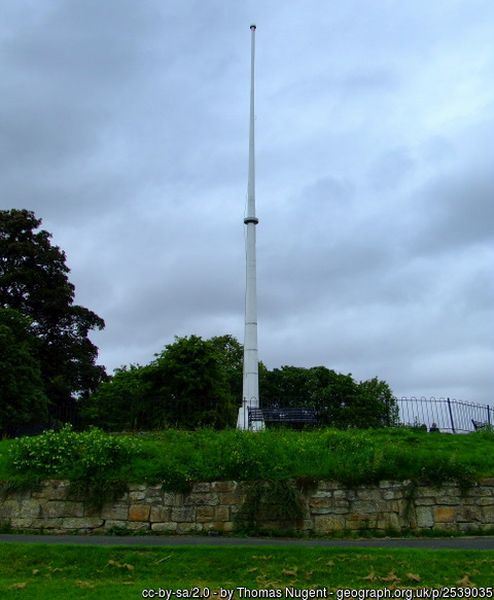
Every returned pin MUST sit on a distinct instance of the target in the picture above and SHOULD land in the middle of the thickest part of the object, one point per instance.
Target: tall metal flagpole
(251, 375)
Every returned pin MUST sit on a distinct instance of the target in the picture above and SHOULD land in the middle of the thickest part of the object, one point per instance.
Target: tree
(231, 355)
(23, 400)
(34, 281)
(123, 402)
(285, 387)
(338, 399)
(192, 383)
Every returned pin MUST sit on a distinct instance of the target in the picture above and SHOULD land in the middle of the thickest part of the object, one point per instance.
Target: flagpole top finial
(253, 27)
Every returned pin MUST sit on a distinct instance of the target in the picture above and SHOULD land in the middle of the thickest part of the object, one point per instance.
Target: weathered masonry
(325, 508)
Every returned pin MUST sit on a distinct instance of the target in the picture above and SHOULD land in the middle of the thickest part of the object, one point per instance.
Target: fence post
(451, 415)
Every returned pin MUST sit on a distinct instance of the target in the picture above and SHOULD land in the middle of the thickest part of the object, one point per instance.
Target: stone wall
(327, 508)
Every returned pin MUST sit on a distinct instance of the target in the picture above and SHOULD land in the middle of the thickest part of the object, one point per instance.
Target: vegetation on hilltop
(178, 458)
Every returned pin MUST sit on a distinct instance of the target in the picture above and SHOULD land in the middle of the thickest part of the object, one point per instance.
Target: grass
(60, 572)
(352, 457)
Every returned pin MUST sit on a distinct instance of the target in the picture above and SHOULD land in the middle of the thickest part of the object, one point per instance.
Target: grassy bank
(59, 572)
(352, 457)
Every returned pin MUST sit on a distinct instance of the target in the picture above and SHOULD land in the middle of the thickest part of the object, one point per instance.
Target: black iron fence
(446, 414)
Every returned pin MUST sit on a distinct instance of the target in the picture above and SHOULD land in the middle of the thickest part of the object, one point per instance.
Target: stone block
(231, 499)
(396, 506)
(139, 512)
(153, 491)
(304, 525)
(448, 500)
(119, 512)
(224, 486)
(189, 527)
(318, 503)
(47, 523)
(169, 527)
(424, 517)
(201, 487)
(390, 485)
(9, 508)
(115, 524)
(321, 494)
(340, 494)
(221, 513)
(53, 509)
(389, 521)
(367, 507)
(362, 522)
(468, 514)
(424, 502)
(160, 514)
(201, 500)
(426, 492)
(52, 490)
(328, 523)
(172, 499)
(369, 495)
(21, 522)
(137, 487)
(138, 526)
(443, 514)
(183, 514)
(81, 523)
(221, 526)
(204, 514)
(327, 486)
(137, 495)
(392, 494)
(325, 511)
(485, 501)
(30, 508)
(488, 515)
(73, 509)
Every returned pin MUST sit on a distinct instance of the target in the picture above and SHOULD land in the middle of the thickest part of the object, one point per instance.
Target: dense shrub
(67, 453)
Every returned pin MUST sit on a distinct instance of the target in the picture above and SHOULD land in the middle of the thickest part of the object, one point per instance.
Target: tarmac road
(450, 543)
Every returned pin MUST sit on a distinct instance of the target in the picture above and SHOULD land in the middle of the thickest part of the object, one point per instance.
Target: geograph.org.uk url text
(245, 593)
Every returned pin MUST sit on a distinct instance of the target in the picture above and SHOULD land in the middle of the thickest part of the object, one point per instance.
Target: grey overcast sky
(124, 126)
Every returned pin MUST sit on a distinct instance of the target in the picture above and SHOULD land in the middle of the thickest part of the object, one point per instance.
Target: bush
(75, 455)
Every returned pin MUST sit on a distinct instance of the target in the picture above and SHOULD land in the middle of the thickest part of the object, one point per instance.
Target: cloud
(125, 127)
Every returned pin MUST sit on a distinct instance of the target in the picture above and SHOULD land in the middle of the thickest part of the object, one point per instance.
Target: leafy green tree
(377, 405)
(34, 281)
(231, 355)
(192, 384)
(338, 399)
(22, 396)
(285, 387)
(123, 402)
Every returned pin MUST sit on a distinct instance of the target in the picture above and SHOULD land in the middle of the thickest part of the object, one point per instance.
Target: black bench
(295, 417)
(479, 425)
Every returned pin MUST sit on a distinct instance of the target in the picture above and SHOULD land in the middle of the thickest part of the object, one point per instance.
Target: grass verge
(59, 572)
(352, 457)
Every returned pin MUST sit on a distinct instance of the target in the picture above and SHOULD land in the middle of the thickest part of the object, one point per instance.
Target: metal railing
(447, 414)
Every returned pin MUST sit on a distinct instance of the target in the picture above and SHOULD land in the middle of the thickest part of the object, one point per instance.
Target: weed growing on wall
(268, 502)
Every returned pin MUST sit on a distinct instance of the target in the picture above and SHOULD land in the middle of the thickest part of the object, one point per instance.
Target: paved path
(454, 543)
